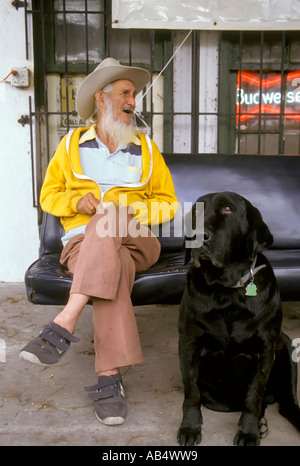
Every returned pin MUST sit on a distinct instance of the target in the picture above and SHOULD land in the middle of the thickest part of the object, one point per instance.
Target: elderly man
(107, 183)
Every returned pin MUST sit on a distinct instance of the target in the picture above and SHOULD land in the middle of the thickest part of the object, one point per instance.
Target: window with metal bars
(260, 93)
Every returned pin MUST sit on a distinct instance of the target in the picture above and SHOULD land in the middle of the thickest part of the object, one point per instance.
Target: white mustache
(128, 109)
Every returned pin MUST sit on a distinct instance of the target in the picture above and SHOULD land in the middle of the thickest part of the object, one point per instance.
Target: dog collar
(251, 288)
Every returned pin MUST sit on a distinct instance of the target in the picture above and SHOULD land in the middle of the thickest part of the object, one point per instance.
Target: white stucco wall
(19, 239)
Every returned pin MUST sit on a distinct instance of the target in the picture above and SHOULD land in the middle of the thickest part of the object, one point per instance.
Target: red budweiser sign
(267, 95)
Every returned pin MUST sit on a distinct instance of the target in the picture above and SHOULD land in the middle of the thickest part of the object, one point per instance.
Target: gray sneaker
(49, 346)
(109, 400)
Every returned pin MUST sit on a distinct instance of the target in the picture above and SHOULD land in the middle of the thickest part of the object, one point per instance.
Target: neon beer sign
(255, 95)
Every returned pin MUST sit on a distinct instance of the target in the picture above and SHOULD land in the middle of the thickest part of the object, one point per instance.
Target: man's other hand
(87, 204)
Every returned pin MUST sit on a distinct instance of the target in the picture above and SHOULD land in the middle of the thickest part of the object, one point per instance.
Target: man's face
(122, 99)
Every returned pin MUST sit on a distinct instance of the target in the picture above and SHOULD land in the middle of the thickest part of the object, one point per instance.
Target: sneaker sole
(111, 421)
(26, 356)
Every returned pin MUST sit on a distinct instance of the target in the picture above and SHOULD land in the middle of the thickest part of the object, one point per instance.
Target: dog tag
(251, 290)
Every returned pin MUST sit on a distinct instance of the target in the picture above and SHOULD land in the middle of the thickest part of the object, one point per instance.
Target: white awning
(207, 14)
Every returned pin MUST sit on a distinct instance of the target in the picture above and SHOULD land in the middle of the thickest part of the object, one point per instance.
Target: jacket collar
(72, 149)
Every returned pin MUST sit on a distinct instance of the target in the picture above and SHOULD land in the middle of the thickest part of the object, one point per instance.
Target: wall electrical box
(21, 78)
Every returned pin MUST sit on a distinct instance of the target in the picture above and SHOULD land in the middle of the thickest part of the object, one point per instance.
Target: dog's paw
(188, 436)
(246, 439)
(248, 434)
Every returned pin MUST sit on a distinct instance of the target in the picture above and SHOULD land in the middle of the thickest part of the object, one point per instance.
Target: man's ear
(259, 237)
(99, 97)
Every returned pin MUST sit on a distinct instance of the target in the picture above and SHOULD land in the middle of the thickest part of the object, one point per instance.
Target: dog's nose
(206, 237)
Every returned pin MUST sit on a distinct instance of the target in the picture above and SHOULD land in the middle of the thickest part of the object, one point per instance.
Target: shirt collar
(88, 135)
(92, 134)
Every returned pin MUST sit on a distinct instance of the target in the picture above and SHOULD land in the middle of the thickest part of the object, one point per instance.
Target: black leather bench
(271, 183)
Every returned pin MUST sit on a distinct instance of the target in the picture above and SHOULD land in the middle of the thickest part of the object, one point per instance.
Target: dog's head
(233, 230)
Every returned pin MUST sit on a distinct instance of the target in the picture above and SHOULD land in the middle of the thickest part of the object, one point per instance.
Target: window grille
(225, 92)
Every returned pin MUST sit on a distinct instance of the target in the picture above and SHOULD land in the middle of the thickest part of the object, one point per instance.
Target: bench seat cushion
(47, 282)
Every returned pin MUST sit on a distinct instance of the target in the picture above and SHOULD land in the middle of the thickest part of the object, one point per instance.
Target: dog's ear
(259, 236)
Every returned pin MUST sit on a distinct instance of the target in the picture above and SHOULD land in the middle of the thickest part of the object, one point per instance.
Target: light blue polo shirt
(121, 168)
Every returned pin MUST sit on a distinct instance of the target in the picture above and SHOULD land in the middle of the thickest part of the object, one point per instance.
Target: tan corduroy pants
(103, 265)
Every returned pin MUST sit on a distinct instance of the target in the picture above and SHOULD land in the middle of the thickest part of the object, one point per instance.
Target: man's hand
(87, 204)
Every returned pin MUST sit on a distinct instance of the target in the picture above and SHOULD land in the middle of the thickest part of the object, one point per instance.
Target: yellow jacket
(153, 199)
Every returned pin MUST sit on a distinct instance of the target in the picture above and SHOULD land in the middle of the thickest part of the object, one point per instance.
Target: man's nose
(131, 100)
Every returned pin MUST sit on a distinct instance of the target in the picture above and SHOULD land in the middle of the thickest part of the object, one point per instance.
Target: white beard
(116, 131)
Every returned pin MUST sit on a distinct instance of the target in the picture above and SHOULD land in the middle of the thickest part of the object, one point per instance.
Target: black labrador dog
(233, 356)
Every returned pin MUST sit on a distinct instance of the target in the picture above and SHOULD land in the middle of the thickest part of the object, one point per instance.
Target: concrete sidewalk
(48, 406)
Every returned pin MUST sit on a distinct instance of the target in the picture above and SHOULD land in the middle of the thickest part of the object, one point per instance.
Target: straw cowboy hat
(108, 71)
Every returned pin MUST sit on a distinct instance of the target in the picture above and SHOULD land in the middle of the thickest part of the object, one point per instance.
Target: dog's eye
(226, 210)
